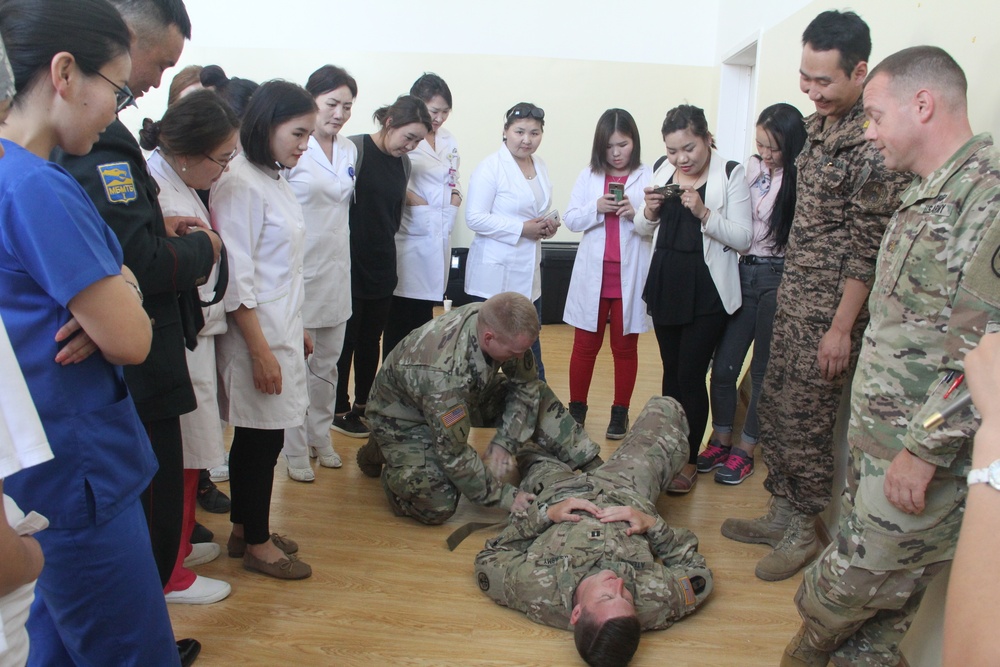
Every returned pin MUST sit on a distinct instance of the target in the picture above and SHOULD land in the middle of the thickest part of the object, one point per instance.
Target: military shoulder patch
(118, 183)
(484, 582)
(454, 415)
(689, 597)
(982, 274)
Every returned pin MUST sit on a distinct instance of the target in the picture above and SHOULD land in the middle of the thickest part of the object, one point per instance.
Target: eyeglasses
(524, 111)
(123, 96)
(224, 164)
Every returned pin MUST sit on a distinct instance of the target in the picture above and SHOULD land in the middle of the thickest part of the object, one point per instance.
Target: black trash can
(557, 269)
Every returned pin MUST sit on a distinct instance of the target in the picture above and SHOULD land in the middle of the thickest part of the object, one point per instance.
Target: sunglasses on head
(526, 112)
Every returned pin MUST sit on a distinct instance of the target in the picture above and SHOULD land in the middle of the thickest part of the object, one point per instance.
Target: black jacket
(169, 270)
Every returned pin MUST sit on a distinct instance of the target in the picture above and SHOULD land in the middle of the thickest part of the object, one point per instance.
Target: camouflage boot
(799, 654)
(767, 529)
(370, 459)
(796, 548)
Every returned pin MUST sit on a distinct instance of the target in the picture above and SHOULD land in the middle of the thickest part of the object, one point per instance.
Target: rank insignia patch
(689, 596)
(118, 183)
(453, 416)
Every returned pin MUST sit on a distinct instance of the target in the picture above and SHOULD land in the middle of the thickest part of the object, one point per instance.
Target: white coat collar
(516, 176)
(315, 153)
(717, 182)
(160, 167)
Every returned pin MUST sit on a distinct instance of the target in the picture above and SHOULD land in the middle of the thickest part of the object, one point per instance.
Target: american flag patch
(453, 416)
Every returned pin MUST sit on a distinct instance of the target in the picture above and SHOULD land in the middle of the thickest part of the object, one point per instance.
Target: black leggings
(407, 315)
(361, 343)
(251, 476)
(163, 500)
(686, 351)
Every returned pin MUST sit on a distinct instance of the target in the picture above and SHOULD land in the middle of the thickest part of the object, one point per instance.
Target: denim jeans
(750, 324)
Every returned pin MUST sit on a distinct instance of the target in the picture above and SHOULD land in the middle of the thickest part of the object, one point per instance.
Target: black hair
(34, 31)
(147, 17)
(785, 125)
(687, 117)
(611, 121)
(329, 78)
(193, 125)
(429, 85)
(610, 645)
(405, 110)
(843, 31)
(235, 91)
(274, 103)
(524, 111)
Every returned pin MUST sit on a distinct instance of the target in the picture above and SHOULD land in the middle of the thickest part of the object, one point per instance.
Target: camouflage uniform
(937, 293)
(845, 196)
(534, 566)
(434, 386)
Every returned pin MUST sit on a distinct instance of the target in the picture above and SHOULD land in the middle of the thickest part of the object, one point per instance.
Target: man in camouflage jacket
(936, 293)
(593, 547)
(470, 367)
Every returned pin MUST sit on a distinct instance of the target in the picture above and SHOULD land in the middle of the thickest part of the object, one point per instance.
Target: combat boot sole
(753, 531)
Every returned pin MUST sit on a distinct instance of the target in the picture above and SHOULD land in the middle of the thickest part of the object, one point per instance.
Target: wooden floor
(386, 591)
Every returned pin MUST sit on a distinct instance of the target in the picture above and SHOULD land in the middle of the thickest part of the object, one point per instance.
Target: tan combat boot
(798, 546)
(767, 529)
(370, 458)
(798, 653)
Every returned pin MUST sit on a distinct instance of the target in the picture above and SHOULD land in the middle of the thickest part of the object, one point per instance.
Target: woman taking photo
(61, 271)
(510, 196)
(381, 175)
(771, 176)
(323, 182)
(192, 146)
(693, 284)
(423, 242)
(611, 265)
(260, 357)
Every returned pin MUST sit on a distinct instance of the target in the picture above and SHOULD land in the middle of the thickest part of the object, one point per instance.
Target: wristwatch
(989, 475)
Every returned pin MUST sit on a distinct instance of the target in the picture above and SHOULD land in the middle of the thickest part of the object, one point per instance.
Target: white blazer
(728, 229)
(260, 220)
(499, 202)
(423, 242)
(324, 188)
(584, 295)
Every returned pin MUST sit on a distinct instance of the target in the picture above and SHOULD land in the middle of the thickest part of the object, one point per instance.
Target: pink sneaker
(714, 456)
(737, 468)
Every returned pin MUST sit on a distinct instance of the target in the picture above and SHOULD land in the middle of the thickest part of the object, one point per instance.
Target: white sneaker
(201, 553)
(219, 473)
(331, 460)
(202, 591)
(302, 474)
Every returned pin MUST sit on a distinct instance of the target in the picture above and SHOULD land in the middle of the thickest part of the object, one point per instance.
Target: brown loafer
(681, 483)
(237, 546)
(286, 568)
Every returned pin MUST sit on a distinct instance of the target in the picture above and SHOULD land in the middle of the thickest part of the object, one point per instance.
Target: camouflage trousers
(652, 453)
(425, 492)
(798, 410)
(858, 600)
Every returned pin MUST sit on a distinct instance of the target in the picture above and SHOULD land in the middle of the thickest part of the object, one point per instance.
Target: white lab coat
(727, 231)
(324, 188)
(201, 430)
(261, 222)
(584, 294)
(423, 242)
(499, 201)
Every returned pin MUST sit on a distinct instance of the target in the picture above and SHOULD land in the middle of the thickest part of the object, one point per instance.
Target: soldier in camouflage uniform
(936, 293)
(598, 535)
(444, 378)
(845, 196)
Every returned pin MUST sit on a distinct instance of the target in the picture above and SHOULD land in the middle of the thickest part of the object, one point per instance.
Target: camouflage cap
(6, 76)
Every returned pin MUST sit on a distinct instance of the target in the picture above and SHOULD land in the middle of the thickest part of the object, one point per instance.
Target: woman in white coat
(323, 182)
(260, 357)
(194, 143)
(423, 242)
(510, 196)
(694, 281)
(611, 265)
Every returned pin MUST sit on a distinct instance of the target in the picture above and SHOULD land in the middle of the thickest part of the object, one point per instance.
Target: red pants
(587, 344)
(182, 578)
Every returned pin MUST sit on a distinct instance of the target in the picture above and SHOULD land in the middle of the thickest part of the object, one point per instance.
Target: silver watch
(989, 475)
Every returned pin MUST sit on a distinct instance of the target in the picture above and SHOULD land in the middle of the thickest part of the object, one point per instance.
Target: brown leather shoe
(237, 546)
(285, 568)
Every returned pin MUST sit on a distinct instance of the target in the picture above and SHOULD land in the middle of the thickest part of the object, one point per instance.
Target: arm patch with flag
(453, 416)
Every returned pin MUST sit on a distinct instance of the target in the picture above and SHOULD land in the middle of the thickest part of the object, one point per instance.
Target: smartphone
(618, 190)
(669, 190)
(551, 215)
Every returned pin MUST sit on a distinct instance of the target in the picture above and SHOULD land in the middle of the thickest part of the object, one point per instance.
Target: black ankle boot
(618, 426)
(578, 411)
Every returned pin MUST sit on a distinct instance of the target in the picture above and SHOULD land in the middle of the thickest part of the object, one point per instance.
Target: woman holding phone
(611, 265)
(509, 209)
(694, 283)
